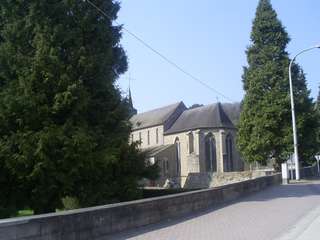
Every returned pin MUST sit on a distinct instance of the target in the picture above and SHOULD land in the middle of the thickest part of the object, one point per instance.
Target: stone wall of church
(154, 138)
(184, 152)
(219, 148)
(221, 151)
(237, 161)
(195, 162)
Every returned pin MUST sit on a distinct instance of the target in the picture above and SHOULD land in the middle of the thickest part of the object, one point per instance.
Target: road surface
(282, 212)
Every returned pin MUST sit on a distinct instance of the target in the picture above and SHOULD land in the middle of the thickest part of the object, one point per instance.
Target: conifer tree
(317, 103)
(64, 126)
(317, 111)
(265, 130)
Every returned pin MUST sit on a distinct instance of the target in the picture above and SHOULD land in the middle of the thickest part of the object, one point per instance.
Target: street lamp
(295, 140)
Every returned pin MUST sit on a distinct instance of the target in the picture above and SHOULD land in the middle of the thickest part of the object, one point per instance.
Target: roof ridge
(208, 116)
(155, 117)
(159, 108)
(223, 117)
(201, 107)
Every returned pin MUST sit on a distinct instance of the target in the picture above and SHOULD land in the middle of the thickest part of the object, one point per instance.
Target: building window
(140, 138)
(165, 166)
(210, 153)
(131, 138)
(148, 137)
(228, 161)
(178, 155)
(191, 143)
(157, 135)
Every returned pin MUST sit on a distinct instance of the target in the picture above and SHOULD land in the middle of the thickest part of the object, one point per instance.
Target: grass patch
(25, 212)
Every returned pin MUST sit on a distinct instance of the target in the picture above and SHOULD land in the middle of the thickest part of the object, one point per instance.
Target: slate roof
(154, 117)
(153, 151)
(233, 111)
(209, 116)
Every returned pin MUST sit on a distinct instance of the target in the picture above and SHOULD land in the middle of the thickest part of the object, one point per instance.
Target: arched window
(178, 154)
(210, 153)
(157, 136)
(228, 162)
(191, 143)
(165, 166)
(148, 137)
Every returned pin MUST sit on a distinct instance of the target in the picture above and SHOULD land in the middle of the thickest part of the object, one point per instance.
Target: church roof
(209, 116)
(153, 151)
(154, 117)
(233, 111)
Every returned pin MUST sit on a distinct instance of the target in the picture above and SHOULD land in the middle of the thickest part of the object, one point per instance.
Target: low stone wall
(93, 223)
(210, 180)
(225, 178)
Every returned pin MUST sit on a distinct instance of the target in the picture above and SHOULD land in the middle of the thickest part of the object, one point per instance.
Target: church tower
(132, 110)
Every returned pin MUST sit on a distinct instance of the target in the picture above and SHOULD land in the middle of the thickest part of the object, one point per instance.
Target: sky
(208, 39)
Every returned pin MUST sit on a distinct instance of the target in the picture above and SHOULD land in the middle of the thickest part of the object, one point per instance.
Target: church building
(188, 143)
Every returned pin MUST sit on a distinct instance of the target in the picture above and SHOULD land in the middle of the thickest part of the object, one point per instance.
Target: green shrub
(70, 203)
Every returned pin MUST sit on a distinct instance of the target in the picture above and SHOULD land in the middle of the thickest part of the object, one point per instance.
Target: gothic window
(165, 166)
(228, 161)
(210, 153)
(140, 138)
(157, 135)
(191, 142)
(178, 154)
(148, 137)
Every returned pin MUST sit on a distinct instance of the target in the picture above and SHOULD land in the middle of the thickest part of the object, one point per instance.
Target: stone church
(188, 143)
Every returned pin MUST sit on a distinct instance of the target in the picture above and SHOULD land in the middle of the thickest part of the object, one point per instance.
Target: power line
(158, 53)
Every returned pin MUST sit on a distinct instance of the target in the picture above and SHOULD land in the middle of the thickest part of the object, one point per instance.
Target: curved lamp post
(295, 140)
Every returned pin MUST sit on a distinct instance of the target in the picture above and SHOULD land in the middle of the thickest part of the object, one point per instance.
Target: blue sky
(208, 38)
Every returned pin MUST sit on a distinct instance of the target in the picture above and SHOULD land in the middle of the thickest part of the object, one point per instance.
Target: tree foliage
(64, 126)
(317, 110)
(265, 129)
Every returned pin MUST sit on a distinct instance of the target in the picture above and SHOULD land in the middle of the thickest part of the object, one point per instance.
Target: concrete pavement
(307, 228)
(282, 212)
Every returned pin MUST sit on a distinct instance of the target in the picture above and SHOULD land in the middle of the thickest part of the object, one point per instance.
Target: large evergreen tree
(265, 130)
(317, 103)
(63, 124)
(317, 110)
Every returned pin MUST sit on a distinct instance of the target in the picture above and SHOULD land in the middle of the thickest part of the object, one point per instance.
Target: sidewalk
(307, 228)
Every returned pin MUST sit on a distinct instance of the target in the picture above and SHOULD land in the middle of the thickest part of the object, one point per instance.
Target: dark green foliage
(317, 110)
(63, 123)
(318, 99)
(265, 130)
(307, 119)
